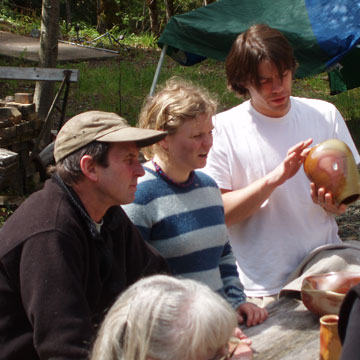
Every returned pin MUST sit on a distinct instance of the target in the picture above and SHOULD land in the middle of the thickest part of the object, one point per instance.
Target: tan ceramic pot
(323, 294)
(330, 345)
(331, 165)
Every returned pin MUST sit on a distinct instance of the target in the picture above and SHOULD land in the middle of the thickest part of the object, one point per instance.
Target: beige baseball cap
(86, 127)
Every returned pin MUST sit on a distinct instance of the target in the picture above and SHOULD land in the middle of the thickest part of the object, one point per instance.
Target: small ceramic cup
(330, 345)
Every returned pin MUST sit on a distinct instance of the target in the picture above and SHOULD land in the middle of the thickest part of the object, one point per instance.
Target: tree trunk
(144, 17)
(106, 15)
(68, 16)
(169, 6)
(44, 90)
(100, 25)
(154, 16)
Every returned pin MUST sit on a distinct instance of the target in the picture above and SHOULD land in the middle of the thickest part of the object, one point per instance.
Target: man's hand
(238, 333)
(240, 349)
(294, 159)
(325, 200)
(254, 314)
(242, 203)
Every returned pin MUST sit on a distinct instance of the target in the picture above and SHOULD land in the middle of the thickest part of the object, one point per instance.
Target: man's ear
(88, 167)
(164, 143)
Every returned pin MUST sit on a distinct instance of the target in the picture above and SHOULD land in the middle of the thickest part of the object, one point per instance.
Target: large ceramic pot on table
(323, 294)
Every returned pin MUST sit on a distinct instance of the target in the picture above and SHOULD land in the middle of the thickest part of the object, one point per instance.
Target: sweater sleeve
(143, 259)
(138, 215)
(233, 289)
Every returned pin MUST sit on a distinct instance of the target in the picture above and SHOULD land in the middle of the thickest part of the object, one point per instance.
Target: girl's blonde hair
(176, 102)
(165, 318)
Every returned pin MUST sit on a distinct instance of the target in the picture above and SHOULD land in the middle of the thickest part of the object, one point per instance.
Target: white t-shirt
(271, 243)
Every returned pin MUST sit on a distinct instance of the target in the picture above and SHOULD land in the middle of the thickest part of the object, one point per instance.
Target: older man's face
(117, 182)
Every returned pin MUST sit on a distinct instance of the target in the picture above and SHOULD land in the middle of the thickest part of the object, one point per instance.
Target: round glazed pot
(323, 294)
(331, 165)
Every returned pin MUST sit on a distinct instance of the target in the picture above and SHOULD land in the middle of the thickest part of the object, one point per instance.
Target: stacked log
(18, 121)
(9, 164)
(19, 127)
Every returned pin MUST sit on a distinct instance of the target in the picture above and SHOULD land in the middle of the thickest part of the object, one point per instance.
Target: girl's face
(189, 147)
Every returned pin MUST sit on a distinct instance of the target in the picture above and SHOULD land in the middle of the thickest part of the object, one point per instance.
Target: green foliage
(146, 40)
(318, 87)
(5, 212)
(25, 19)
(27, 24)
(182, 6)
(350, 101)
(81, 11)
(133, 15)
(5, 10)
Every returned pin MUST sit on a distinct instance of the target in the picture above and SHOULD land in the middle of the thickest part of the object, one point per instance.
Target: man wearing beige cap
(69, 250)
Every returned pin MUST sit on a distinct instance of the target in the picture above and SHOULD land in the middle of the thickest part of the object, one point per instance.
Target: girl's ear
(88, 168)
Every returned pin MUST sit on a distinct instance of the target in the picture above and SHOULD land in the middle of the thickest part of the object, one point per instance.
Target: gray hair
(69, 168)
(165, 318)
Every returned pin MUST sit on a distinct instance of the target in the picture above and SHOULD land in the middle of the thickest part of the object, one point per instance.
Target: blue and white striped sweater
(186, 225)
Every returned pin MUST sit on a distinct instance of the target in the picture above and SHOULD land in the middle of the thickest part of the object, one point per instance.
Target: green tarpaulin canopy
(324, 34)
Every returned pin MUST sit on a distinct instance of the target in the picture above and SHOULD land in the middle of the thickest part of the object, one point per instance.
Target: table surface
(291, 332)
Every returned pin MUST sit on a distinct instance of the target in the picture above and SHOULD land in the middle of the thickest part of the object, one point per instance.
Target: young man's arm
(242, 203)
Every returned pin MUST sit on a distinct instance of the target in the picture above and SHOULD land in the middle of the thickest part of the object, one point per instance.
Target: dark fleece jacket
(58, 275)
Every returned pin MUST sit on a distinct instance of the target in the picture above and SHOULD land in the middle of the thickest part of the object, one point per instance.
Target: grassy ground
(121, 84)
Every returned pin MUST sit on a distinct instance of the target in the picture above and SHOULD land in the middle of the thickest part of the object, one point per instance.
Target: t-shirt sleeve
(217, 165)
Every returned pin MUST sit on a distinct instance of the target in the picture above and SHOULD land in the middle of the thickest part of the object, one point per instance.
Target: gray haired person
(168, 318)
(69, 250)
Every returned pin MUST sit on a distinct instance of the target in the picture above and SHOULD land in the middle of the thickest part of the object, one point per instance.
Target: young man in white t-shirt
(274, 215)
